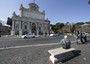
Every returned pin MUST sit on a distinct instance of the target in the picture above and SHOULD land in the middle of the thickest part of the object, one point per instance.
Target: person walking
(81, 38)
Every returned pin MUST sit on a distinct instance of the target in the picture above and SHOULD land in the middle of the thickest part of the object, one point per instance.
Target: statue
(33, 1)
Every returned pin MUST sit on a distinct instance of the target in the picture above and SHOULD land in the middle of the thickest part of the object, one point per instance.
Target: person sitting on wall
(65, 42)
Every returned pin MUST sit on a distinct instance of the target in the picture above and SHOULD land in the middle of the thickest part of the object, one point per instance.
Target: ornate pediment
(34, 6)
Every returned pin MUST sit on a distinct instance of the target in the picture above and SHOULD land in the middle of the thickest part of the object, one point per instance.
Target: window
(25, 27)
(39, 28)
(17, 25)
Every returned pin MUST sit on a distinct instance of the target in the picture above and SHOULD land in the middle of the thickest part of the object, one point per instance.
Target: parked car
(54, 34)
(28, 36)
(51, 34)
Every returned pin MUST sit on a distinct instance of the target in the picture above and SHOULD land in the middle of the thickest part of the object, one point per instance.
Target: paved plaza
(36, 32)
(35, 51)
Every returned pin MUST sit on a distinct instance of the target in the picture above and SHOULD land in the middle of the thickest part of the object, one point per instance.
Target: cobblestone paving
(40, 55)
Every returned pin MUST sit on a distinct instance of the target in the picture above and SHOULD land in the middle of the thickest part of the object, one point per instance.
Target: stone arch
(25, 27)
(40, 29)
(34, 28)
(45, 33)
(16, 32)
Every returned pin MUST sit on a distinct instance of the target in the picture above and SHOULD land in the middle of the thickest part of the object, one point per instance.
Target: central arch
(25, 28)
(33, 28)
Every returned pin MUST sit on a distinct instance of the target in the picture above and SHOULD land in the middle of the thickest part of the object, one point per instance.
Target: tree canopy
(87, 22)
(9, 21)
(57, 26)
(79, 23)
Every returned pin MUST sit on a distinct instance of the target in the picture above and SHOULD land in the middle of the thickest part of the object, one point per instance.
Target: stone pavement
(40, 55)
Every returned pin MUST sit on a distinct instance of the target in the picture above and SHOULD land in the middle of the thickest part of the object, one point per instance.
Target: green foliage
(63, 31)
(72, 29)
(80, 23)
(87, 22)
(57, 26)
(64, 28)
(9, 21)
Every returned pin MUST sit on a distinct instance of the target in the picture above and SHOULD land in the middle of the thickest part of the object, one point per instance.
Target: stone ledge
(59, 51)
(60, 54)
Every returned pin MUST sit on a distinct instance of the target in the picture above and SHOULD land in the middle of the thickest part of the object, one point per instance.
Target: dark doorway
(34, 28)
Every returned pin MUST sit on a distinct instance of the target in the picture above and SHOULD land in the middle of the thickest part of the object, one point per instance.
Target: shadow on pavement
(76, 53)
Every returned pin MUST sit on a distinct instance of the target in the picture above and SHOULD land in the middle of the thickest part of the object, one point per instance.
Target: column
(20, 28)
(48, 29)
(30, 27)
(43, 28)
(13, 29)
(37, 28)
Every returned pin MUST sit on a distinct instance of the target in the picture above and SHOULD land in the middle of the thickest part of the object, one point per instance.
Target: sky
(56, 10)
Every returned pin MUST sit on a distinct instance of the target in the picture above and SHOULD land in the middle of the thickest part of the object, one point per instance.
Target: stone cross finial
(33, 1)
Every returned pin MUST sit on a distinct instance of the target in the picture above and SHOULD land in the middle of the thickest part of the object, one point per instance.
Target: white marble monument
(30, 20)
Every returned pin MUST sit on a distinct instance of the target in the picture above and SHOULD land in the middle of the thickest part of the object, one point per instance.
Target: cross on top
(33, 1)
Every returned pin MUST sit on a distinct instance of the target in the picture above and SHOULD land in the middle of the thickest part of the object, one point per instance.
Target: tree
(9, 21)
(54, 29)
(87, 22)
(57, 27)
(72, 29)
(80, 23)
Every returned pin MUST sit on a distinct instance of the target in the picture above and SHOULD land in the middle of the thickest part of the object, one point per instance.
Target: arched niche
(25, 27)
(33, 28)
